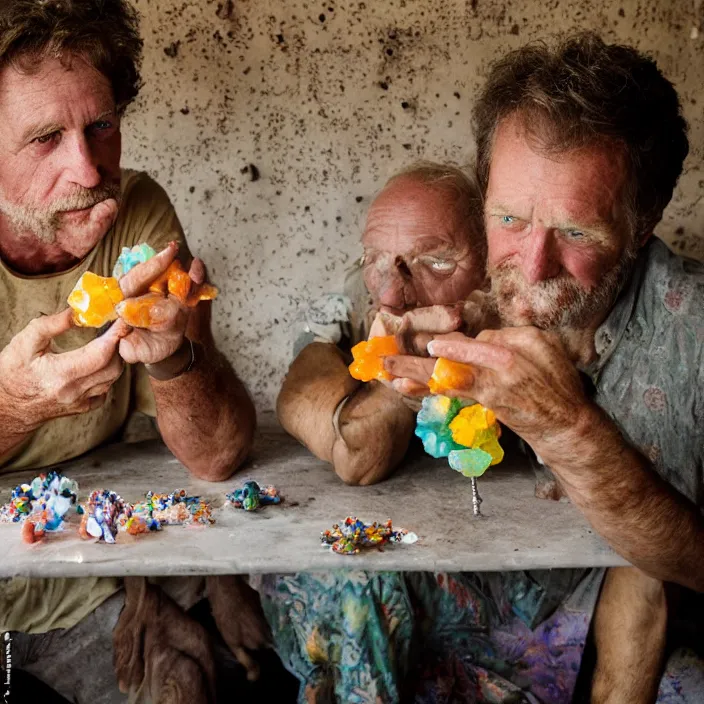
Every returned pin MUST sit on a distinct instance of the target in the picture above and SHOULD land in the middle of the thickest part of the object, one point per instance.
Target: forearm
(639, 514)
(374, 426)
(9, 438)
(373, 432)
(316, 382)
(14, 426)
(206, 417)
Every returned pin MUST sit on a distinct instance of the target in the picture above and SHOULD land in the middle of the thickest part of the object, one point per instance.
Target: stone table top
(516, 531)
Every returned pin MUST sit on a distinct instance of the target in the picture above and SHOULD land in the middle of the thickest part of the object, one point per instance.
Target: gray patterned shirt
(650, 376)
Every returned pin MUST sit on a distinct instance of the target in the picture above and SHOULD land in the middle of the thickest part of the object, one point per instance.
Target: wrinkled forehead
(589, 180)
(410, 217)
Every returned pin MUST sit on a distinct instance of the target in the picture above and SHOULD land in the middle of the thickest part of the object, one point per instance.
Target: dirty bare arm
(374, 426)
(206, 416)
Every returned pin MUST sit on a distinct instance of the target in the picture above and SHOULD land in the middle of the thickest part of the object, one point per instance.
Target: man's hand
(78, 240)
(522, 374)
(166, 334)
(413, 331)
(37, 384)
(159, 651)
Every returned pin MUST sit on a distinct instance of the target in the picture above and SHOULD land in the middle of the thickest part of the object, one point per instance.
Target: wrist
(182, 361)
(574, 445)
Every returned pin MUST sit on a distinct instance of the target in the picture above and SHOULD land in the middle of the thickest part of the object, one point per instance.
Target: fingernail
(430, 347)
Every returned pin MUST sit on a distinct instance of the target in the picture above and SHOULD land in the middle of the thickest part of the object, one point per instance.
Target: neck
(27, 254)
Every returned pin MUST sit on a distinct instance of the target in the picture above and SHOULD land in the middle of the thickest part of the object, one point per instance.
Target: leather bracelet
(164, 371)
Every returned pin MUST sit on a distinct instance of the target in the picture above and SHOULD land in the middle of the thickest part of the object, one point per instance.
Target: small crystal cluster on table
(251, 496)
(40, 506)
(465, 432)
(353, 535)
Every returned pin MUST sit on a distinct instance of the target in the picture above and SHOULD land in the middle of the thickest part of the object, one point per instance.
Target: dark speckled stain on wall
(272, 125)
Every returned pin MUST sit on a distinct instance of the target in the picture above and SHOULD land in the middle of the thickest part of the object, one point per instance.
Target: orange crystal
(176, 281)
(93, 300)
(141, 312)
(448, 376)
(368, 358)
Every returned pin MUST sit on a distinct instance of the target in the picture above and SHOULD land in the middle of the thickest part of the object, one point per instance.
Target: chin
(77, 243)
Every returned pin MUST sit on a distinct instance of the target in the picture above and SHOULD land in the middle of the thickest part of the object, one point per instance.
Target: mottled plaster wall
(272, 123)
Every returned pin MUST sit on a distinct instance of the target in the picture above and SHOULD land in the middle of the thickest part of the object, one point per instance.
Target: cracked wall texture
(271, 124)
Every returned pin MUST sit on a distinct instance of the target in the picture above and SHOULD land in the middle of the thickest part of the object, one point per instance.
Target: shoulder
(140, 190)
(672, 286)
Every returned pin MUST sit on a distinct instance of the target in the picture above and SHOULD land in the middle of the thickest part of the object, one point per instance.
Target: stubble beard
(44, 223)
(560, 304)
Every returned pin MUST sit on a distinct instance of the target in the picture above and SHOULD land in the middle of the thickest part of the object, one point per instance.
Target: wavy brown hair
(583, 92)
(103, 32)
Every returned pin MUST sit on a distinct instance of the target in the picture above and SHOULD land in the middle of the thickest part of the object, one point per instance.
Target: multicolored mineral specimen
(251, 496)
(130, 258)
(176, 281)
(353, 535)
(102, 515)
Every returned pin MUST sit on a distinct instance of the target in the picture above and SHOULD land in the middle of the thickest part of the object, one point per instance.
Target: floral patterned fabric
(362, 637)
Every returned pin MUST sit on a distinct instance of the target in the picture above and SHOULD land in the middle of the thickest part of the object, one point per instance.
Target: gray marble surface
(517, 530)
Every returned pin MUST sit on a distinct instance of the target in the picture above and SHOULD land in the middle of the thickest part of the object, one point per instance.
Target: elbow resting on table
(220, 463)
(361, 467)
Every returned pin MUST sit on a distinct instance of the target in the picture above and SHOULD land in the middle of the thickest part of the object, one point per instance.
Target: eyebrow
(41, 129)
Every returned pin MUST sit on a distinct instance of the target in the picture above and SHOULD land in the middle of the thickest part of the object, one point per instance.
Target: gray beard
(44, 223)
(561, 304)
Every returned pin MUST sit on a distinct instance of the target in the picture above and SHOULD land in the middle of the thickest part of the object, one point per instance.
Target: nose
(402, 267)
(82, 164)
(539, 260)
(397, 290)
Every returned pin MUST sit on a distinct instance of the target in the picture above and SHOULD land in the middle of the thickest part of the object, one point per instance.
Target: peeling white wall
(326, 100)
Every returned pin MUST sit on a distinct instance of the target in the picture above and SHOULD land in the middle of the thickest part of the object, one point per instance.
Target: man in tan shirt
(68, 70)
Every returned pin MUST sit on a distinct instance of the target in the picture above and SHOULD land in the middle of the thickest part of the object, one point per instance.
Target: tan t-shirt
(145, 215)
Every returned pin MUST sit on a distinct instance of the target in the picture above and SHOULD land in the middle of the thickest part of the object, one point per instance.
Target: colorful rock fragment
(141, 312)
(369, 356)
(470, 462)
(433, 425)
(176, 508)
(468, 424)
(93, 300)
(176, 281)
(97, 300)
(130, 258)
(41, 506)
(251, 496)
(353, 535)
(466, 433)
(102, 515)
(448, 376)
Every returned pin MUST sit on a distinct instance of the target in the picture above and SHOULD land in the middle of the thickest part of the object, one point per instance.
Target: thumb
(103, 214)
(41, 331)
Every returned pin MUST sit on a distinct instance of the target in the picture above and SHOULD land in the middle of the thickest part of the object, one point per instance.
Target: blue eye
(574, 234)
(507, 219)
